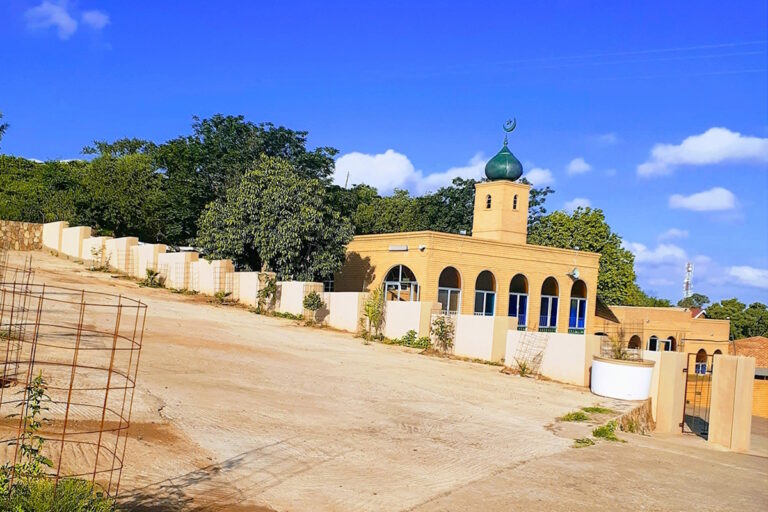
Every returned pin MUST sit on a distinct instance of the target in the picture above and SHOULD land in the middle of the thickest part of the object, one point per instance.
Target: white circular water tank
(618, 378)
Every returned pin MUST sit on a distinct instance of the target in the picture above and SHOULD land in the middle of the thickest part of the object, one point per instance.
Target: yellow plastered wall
(52, 234)
(501, 211)
(72, 240)
(668, 398)
(760, 398)
(94, 250)
(118, 253)
(428, 253)
(730, 417)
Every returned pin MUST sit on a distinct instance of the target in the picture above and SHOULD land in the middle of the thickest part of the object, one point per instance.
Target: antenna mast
(688, 283)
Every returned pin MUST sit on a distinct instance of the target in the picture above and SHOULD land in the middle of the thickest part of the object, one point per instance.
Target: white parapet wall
(566, 358)
(94, 250)
(482, 337)
(118, 253)
(212, 277)
(343, 310)
(176, 268)
(246, 286)
(290, 295)
(143, 257)
(72, 240)
(52, 235)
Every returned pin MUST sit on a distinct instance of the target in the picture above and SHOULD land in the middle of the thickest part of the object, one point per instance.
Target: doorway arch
(400, 284)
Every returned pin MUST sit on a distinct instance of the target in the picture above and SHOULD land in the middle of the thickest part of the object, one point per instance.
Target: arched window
(514, 202)
(488, 201)
(400, 284)
(634, 342)
(449, 290)
(578, 312)
(653, 343)
(701, 362)
(485, 294)
(717, 352)
(548, 307)
(518, 300)
(670, 344)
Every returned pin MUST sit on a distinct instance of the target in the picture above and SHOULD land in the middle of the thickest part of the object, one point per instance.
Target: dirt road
(236, 411)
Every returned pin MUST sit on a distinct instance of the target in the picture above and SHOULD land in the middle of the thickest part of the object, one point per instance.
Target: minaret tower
(501, 204)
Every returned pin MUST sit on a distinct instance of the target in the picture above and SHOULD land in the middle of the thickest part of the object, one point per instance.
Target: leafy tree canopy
(745, 321)
(3, 127)
(696, 300)
(274, 218)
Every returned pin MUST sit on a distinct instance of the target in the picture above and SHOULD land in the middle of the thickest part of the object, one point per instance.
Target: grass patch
(289, 316)
(607, 431)
(183, 291)
(583, 442)
(574, 416)
(598, 410)
(70, 495)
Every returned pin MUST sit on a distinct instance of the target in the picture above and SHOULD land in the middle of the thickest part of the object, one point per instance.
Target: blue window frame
(518, 307)
(548, 312)
(578, 314)
(484, 303)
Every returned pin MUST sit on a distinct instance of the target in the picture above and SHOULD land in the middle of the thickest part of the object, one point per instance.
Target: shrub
(410, 339)
(373, 311)
(313, 302)
(522, 367)
(598, 410)
(153, 279)
(607, 431)
(583, 442)
(574, 416)
(442, 332)
(41, 494)
(221, 297)
(267, 294)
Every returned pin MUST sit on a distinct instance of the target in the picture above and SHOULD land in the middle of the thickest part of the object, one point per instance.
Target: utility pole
(688, 282)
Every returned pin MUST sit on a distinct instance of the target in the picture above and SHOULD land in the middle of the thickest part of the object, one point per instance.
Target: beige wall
(52, 232)
(343, 310)
(176, 268)
(145, 257)
(566, 357)
(290, 295)
(670, 392)
(401, 317)
(72, 240)
(482, 337)
(94, 250)
(246, 286)
(369, 258)
(118, 253)
(212, 277)
(730, 417)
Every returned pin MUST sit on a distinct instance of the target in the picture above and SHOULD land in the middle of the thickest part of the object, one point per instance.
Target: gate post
(730, 423)
(670, 397)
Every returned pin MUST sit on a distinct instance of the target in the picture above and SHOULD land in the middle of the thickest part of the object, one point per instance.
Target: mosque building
(495, 272)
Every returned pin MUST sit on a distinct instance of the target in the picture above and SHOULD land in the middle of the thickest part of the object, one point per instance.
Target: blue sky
(656, 112)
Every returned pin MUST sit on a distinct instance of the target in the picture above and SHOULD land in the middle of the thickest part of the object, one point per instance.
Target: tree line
(257, 194)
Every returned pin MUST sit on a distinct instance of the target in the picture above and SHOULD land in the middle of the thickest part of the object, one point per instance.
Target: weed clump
(607, 431)
(583, 442)
(574, 416)
(598, 410)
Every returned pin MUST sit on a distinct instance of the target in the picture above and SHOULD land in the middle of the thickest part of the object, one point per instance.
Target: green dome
(504, 166)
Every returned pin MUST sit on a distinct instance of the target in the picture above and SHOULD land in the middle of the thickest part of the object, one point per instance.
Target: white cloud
(714, 199)
(95, 19)
(474, 169)
(578, 202)
(673, 233)
(385, 171)
(578, 166)
(750, 276)
(607, 139)
(49, 14)
(714, 146)
(539, 177)
(662, 254)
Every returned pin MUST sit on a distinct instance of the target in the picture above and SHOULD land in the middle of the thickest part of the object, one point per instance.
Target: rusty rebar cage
(86, 346)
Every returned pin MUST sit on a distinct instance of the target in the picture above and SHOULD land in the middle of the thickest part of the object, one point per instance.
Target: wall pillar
(670, 398)
(730, 417)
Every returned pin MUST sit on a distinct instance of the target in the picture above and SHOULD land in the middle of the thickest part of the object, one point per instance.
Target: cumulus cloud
(95, 19)
(714, 199)
(58, 15)
(385, 171)
(474, 169)
(716, 145)
(662, 254)
(673, 233)
(750, 276)
(49, 14)
(578, 166)
(577, 202)
(539, 177)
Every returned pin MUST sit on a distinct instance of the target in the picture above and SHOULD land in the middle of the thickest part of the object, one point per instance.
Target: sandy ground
(236, 411)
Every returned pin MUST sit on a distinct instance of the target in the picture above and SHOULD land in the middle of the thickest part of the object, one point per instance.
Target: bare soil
(236, 411)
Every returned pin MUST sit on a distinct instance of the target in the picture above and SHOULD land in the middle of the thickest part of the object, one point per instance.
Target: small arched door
(550, 292)
(449, 290)
(518, 300)
(400, 284)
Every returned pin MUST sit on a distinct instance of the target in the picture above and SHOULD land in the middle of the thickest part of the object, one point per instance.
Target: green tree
(537, 199)
(276, 219)
(745, 321)
(120, 147)
(3, 127)
(126, 196)
(587, 230)
(696, 300)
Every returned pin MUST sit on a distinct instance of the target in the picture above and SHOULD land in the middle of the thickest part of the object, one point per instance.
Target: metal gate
(698, 392)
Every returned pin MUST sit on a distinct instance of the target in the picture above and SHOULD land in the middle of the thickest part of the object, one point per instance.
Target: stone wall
(21, 236)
